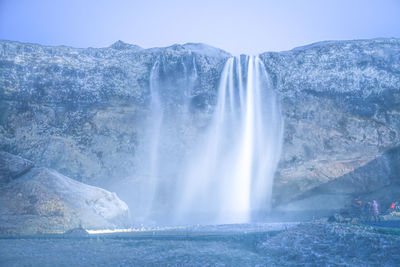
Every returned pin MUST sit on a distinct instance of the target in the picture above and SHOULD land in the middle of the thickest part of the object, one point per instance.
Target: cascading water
(156, 119)
(225, 175)
(231, 173)
(146, 192)
(170, 87)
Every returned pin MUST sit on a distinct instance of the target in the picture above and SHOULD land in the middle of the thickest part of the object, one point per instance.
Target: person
(396, 209)
(375, 210)
(392, 208)
(368, 211)
(357, 209)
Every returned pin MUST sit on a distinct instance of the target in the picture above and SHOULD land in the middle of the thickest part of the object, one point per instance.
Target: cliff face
(341, 103)
(82, 111)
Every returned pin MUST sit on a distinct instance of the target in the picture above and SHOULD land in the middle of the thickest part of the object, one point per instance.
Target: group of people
(369, 210)
(394, 209)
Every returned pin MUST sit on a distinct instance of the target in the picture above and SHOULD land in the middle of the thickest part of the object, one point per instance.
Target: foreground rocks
(308, 244)
(335, 244)
(40, 200)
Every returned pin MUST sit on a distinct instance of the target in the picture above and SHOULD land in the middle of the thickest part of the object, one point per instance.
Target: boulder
(44, 201)
(336, 218)
(76, 232)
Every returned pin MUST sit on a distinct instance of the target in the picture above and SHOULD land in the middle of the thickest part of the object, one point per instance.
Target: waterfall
(224, 175)
(146, 192)
(230, 175)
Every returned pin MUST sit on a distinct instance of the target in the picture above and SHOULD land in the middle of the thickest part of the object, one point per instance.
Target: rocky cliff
(341, 103)
(82, 111)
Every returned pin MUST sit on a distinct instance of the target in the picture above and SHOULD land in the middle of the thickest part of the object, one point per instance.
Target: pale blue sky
(248, 26)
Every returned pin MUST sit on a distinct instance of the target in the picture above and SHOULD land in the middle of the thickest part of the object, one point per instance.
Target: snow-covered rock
(42, 200)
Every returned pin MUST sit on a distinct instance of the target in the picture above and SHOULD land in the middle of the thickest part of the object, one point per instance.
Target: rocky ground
(325, 244)
(306, 244)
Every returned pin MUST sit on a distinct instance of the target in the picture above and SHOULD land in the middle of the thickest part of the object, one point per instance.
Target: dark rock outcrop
(76, 232)
(378, 179)
(43, 201)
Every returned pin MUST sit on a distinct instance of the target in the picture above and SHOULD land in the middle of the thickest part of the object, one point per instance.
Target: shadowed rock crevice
(378, 179)
(12, 167)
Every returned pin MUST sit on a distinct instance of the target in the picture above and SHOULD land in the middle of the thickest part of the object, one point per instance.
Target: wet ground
(272, 244)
